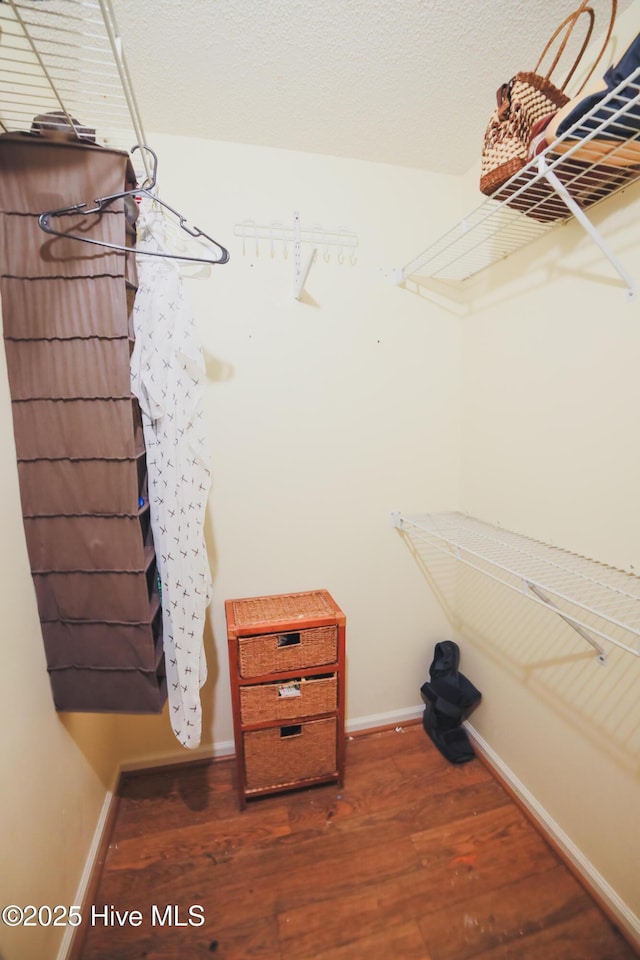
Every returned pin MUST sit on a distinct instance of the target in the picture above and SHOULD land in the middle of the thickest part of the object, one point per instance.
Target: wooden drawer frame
(312, 656)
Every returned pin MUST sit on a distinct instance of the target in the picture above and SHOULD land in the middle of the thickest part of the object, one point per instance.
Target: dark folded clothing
(623, 127)
(452, 741)
(449, 697)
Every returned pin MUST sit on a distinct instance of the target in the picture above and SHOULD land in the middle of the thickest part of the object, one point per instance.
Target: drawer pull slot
(293, 730)
(289, 639)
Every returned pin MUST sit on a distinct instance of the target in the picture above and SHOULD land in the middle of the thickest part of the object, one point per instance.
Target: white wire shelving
(65, 58)
(600, 602)
(596, 158)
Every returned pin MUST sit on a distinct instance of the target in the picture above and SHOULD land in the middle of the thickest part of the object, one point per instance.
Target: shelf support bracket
(537, 592)
(300, 270)
(584, 221)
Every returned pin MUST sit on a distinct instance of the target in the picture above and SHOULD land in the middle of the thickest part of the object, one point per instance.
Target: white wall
(327, 414)
(324, 416)
(551, 395)
(551, 399)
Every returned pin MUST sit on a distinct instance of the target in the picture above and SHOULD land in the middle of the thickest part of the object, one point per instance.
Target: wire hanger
(144, 190)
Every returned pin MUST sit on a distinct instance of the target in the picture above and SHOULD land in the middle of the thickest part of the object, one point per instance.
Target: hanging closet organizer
(69, 120)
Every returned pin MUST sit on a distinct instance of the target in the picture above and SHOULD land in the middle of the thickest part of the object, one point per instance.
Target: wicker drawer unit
(288, 650)
(283, 756)
(288, 699)
(287, 672)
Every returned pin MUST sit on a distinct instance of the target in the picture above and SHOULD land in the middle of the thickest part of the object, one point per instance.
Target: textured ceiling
(408, 82)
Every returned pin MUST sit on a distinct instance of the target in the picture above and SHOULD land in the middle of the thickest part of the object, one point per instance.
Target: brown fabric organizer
(79, 443)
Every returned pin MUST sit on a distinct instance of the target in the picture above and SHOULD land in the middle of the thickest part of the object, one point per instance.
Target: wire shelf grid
(65, 60)
(594, 159)
(594, 598)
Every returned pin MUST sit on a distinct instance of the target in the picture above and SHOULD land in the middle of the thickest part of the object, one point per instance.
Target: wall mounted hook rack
(314, 238)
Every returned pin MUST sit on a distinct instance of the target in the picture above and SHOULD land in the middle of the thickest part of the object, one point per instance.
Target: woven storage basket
(269, 701)
(279, 756)
(255, 611)
(278, 652)
(506, 140)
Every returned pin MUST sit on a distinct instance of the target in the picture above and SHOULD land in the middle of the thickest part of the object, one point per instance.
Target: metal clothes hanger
(144, 190)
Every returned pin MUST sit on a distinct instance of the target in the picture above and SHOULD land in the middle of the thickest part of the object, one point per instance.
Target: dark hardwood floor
(414, 859)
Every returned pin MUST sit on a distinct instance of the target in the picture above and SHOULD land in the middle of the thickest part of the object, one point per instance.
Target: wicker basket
(278, 756)
(283, 701)
(278, 652)
(253, 612)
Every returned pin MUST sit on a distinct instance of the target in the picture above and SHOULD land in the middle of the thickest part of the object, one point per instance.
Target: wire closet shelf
(596, 158)
(63, 61)
(593, 598)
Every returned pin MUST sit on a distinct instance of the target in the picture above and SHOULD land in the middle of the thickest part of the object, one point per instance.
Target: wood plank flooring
(413, 859)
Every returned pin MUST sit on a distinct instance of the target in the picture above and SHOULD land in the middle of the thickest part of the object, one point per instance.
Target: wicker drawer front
(285, 755)
(284, 701)
(277, 652)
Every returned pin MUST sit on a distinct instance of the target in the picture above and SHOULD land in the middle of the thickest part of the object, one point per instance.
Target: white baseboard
(393, 718)
(224, 748)
(94, 850)
(624, 916)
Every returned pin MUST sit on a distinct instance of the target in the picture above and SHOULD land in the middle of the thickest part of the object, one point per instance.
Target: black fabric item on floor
(449, 698)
